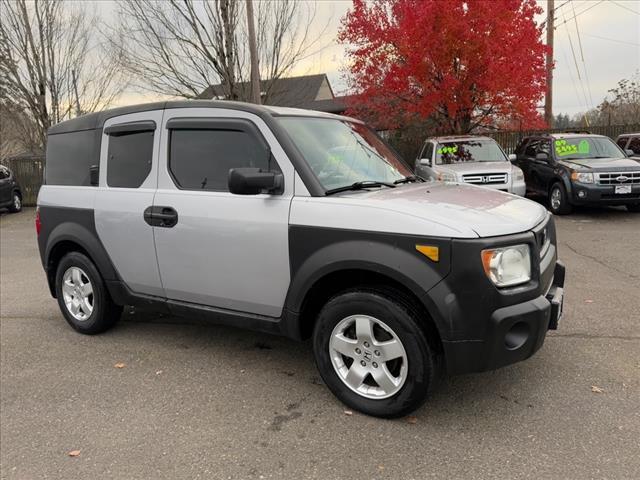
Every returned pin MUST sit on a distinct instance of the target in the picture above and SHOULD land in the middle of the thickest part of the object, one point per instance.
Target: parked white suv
(301, 224)
(469, 159)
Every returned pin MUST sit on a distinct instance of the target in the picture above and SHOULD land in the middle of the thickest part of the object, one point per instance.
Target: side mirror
(252, 181)
(629, 152)
(425, 162)
(512, 157)
(542, 156)
(94, 175)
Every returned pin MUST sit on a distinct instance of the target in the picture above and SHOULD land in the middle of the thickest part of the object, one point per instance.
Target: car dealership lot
(202, 401)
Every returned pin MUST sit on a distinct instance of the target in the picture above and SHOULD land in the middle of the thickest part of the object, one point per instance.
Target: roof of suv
(95, 120)
(458, 138)
(624, 135)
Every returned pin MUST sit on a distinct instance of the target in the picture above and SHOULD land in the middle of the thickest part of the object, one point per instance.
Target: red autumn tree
(460, 64)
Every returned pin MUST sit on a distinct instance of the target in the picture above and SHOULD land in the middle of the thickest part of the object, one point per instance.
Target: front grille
(619, 178)
(485, 178)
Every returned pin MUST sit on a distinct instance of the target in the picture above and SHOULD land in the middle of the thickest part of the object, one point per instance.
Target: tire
(95, 311)
(633, 207)
(16, 203)
(559, 200)
(412, 374)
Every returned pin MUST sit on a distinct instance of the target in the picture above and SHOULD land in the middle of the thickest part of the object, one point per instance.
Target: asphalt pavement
(200, 401)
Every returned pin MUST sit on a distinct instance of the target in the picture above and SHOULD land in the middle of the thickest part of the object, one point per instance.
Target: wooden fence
(29, 170)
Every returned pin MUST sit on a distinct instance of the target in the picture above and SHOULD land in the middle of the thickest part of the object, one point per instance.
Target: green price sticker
(563, 148)
(446, 150)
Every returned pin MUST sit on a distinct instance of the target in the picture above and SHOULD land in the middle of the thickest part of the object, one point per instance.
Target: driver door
(221, 250)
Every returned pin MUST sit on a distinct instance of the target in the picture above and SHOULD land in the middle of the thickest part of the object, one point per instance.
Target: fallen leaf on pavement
(348, 412)
(158, 372)
(588, 301)
(119, 365)
(412, 420)
(74, 453)
(381, 467)
(596, 389)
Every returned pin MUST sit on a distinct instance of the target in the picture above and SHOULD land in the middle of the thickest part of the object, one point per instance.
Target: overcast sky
(609, 36)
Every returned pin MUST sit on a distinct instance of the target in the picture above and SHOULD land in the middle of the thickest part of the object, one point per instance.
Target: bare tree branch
(47, 54)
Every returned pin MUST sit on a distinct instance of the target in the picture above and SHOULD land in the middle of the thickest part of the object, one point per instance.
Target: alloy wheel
(368, 356)
(77, 292)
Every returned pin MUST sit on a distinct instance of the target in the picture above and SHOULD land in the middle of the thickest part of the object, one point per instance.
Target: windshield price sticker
(445, 150)
(563, 148)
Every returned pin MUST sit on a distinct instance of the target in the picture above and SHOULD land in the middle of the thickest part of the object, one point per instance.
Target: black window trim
(217, 123)
(130, 127)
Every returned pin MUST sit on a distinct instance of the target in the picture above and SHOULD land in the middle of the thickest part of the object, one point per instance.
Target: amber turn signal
(429, 251)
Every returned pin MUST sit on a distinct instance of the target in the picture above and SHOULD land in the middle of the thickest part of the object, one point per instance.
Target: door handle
(159, 216)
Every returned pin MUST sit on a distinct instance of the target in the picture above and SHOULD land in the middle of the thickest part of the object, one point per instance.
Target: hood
(472, 211)
(604, 164)
(476, 167)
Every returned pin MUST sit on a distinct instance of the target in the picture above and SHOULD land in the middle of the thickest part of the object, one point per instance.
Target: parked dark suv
(579, 169)
(10, 193)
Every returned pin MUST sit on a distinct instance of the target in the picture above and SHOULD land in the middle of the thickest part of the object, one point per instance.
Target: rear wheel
(82, 296)
(16, 203)
(372, 354)
(558, 200)
(633, 207)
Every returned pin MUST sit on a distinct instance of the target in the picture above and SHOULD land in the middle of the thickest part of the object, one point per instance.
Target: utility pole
(548, 97)
(253, 52)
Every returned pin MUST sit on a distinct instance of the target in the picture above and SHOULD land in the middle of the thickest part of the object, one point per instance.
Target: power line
(584, 65)
(579, 13)
(611, 39)
(625, 7)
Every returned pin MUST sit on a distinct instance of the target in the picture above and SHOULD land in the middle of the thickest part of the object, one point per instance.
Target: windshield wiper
(359, 186)
(408, 179)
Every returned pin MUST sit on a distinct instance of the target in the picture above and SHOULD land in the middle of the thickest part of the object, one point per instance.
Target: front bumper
(514, 332)
(594, 194)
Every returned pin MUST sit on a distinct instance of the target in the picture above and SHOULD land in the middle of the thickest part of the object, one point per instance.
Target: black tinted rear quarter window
(70, 156)
(200, 159)
(129, 159)
(622, 142)
(634, 145)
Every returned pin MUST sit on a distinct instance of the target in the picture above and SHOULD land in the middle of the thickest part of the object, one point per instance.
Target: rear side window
(200, 159)
(70, 156)
(4, 173)
(622, 142)
(129, 159)
(531, 149)
(634, 145)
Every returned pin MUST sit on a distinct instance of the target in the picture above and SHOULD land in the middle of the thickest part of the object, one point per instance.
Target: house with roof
(312, 92)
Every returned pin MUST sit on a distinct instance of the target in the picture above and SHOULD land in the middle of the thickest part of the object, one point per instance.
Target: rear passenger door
(127, 184)
(5, 185)
(224, 250)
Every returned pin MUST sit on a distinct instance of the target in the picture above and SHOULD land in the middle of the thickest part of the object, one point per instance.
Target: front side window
(532, 148)
(584, 148)
(466, 151)
(129, 159)
(200, 159)
(4, 173)
(341, 153)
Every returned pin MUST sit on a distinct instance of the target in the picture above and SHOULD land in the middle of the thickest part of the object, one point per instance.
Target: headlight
(507, 266)
(446, 177)
(518, 176)
(582, 177)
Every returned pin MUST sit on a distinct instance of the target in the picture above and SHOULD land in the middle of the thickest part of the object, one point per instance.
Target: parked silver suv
(469, 159)
(295, 223)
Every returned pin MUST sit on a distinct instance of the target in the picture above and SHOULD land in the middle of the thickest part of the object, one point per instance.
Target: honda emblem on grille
(485, 179)
(622, 178)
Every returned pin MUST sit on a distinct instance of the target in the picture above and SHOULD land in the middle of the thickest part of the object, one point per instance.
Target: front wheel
(558, 200)
(83, 297)
(372, 354)
(16, 203)
(633, 207)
